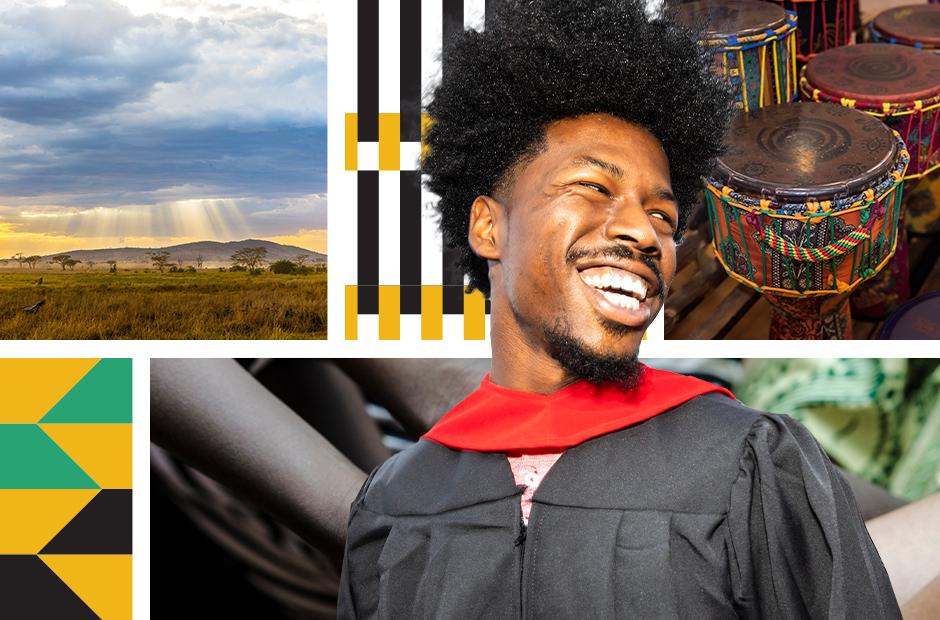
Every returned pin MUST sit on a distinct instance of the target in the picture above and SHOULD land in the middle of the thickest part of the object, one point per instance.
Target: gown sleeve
(359, 560)
(798, 547)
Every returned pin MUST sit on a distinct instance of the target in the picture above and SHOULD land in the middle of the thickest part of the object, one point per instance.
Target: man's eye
(663, 216)
(595, 187)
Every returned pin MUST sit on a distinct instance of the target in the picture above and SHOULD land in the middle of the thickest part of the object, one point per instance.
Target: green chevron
(102, 396)
(29, 459)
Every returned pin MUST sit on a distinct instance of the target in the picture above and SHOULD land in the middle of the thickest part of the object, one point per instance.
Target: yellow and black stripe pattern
(400, 277)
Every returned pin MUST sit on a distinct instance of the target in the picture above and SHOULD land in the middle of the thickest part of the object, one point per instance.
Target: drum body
(915, 25)
(806, 199)
(823, 24)
(897, 84)
(753, 47)
(804, 205)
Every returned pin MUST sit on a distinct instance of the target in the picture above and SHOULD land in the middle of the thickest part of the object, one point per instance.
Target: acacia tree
(18, 257)
(70, 263)
(61, 259)
(199, 260)
(113, 266)
(249, 258)
(90, 264)
(301, 259)
(33, 260)
(160, 259)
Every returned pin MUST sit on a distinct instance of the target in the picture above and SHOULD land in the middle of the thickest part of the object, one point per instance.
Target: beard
(585, 363)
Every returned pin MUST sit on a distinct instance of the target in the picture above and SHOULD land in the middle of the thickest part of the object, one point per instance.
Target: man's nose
(629, 223)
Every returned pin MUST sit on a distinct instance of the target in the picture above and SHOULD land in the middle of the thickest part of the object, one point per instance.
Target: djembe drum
(823, 24)
(804, 207)
(901, 86)
(753, 47)
(918, 319)
(914, 25)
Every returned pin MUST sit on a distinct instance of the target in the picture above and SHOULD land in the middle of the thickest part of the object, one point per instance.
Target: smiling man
(567, 146)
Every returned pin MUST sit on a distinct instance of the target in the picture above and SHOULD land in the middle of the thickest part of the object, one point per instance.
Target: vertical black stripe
(410, 182)
(410, 71)
(452, 277)
(367, 104)
(367, 241)
(368, 70)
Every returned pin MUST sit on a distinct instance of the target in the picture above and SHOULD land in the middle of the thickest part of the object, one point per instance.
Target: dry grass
(141, 305)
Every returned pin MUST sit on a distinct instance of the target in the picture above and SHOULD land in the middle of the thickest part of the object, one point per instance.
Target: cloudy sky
(154, 122)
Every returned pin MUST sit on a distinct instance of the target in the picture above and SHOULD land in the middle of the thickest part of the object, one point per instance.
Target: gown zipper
(520, 542)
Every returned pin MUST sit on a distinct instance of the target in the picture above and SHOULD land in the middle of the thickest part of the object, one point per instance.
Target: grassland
(152, 305)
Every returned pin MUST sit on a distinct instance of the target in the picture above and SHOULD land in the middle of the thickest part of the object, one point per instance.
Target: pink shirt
(528, 471)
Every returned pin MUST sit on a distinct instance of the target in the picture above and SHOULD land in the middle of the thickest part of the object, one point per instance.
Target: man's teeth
(632, 287)
(623, 301)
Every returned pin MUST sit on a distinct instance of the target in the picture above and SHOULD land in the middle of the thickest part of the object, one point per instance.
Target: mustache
(623, 253)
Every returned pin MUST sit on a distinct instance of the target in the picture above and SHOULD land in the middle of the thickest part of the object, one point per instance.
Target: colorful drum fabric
(918, 319)
(916, 25)
(877, 297)
(823, 24)
(753, 44)
(806, 199)
(811, 318)
(897, 84)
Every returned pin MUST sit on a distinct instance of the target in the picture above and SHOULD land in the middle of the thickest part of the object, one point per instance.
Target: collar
(499, 419)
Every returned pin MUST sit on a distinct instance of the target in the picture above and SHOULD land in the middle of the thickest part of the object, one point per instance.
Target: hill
(211, 252)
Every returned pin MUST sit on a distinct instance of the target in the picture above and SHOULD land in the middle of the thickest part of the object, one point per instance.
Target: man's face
(585, 237)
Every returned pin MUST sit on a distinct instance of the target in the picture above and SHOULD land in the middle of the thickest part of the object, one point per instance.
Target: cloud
(94, 57)
(135, 165)
(221, 218)
(110, 112)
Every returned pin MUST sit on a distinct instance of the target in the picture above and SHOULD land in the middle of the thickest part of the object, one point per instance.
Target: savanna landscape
(241, 290)
(151, 187)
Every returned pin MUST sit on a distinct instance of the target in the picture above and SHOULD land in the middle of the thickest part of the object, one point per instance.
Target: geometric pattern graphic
(65, 489)
(403, 276)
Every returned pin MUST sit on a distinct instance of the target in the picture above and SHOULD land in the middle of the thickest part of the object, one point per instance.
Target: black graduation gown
(708, 510)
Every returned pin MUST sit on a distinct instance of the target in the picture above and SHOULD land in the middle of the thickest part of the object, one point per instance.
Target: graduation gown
(708, 509)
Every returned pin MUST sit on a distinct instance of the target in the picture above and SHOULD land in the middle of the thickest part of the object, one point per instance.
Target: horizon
(150, 123)
(8, 256)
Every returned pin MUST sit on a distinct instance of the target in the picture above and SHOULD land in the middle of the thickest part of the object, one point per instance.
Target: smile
(619, 295)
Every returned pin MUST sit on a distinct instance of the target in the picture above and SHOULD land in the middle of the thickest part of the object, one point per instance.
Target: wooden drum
(914, 25)
(753, 45)
(804, 206)
(901, 86)
(823, 24)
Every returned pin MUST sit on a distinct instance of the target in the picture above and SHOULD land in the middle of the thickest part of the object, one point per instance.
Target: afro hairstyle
(539, 61)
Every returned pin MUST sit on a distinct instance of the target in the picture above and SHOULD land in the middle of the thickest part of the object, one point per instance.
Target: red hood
(498, 419)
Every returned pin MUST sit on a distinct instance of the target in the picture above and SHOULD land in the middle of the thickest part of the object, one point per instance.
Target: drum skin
(806, 199)
(753, 45)
(918, 319)
(900, 85)
(917, 25)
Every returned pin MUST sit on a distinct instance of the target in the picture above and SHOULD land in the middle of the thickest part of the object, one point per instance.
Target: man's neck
(520, 364)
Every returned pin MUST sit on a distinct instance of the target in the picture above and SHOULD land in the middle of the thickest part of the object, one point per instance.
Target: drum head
(917, 23)
(876, 72)
(805, 151)
(725, 18)
(915, 320)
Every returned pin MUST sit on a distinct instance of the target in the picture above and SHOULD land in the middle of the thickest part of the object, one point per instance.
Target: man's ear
(486, 216)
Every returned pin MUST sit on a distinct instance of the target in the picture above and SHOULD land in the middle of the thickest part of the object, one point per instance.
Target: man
(567, 144)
